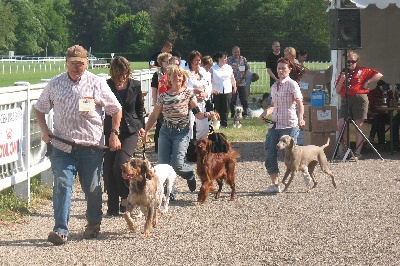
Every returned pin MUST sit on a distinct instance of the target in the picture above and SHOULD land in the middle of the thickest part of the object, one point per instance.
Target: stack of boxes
(320, 119)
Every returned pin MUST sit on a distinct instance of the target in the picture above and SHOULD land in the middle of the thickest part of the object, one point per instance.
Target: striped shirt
(176, 107)
(63, 95)
(284, 95)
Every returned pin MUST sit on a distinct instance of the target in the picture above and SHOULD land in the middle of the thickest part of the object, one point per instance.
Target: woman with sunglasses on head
(358, 80)
(162, 61)
(129, 95)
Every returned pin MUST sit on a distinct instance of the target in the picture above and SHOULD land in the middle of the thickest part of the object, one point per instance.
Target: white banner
(11, 122)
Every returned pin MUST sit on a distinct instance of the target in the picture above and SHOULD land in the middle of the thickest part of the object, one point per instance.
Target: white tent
(380, 40)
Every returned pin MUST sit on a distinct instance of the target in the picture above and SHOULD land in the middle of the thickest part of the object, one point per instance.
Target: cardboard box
(320, 118)
(319, 139)
(310, 79)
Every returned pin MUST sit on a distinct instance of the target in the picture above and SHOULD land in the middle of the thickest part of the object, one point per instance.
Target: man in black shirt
(167, 48)
(272, 62)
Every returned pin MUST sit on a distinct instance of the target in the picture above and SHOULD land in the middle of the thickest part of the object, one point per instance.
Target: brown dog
(304, 159)
(218, 166)
(145, 191)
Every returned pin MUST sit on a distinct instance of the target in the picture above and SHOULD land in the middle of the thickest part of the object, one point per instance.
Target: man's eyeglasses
(351, 61)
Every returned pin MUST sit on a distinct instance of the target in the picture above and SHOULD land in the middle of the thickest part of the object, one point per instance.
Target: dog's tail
(326, 144)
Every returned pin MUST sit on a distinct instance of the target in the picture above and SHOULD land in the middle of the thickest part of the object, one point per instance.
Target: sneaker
(171, 197)
(113, 214)
(91, 231)
(191, 184)
(122, 209)
(57, 238)
(307, 180)
(273, 189)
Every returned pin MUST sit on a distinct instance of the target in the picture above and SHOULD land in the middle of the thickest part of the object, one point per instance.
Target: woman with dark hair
(286, 97)
(200, 83)
(223, 84)
(129, 94)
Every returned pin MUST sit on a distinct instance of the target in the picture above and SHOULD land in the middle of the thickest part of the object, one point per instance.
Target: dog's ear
(291, 144)
(145, 171)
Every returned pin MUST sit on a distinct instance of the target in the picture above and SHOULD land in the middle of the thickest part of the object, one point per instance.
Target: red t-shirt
(162, 84)
(358, 78)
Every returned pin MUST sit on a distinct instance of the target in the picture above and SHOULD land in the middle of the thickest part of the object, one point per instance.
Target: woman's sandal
(57, 238)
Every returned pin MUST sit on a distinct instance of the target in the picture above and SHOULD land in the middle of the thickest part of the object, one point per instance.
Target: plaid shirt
(62, 95)
(284, 94)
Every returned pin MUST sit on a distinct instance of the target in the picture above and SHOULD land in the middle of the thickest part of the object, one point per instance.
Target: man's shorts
(358, 107)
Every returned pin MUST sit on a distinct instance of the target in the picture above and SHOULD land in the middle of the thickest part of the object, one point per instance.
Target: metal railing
(30, 148)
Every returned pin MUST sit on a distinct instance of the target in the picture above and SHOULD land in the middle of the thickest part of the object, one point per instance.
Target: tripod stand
(347, 122)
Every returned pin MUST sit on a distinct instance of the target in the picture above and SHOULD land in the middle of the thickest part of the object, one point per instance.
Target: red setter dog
(218, 166)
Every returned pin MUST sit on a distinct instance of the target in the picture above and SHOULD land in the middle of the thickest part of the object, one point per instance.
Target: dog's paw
(239, 126)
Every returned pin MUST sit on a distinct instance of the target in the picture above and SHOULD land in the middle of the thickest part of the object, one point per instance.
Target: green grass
(13, 209)
(8, 78)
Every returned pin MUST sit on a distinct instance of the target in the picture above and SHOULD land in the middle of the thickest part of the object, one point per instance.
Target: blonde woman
(175, 104)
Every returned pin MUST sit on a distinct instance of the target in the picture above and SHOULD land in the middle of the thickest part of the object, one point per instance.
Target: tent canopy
(379, 3)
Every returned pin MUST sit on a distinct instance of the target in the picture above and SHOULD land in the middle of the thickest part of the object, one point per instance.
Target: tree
(130, 33)
(8, 24)
(53, 16)
(29, 29)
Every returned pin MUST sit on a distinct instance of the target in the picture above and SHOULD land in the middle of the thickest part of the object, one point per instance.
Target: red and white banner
(11, 122)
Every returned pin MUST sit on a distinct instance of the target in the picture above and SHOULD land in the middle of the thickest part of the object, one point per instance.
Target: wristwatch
(115, 131)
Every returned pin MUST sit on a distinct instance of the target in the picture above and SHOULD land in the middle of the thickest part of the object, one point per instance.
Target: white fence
(31, 149)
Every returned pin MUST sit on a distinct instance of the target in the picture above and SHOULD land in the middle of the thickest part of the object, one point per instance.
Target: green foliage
(130, 33)
(13, 209)
(8, 23)
(141, 27)
(29, 30)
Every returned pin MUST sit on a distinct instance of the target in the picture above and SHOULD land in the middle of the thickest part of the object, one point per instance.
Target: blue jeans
(172, 148)
(86, 162)
(271, 140)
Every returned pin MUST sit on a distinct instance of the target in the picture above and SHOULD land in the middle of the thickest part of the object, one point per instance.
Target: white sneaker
(273, 189)
(307, 179)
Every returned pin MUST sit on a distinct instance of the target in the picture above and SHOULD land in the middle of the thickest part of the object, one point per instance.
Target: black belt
(174, 126)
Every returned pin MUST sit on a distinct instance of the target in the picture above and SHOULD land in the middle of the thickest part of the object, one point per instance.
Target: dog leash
(102, 147)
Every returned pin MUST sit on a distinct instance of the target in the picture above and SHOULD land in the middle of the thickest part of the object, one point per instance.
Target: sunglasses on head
(351, 61)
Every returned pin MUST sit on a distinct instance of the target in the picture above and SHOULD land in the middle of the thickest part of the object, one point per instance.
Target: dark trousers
(378, 128)
(221, 105)
(242, 92)
(117, 186)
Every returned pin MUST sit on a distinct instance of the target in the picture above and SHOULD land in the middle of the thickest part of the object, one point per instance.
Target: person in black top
(167, 48)
(272, 62)
(129, 94)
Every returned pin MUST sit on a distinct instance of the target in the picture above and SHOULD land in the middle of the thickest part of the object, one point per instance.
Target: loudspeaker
(345, 28)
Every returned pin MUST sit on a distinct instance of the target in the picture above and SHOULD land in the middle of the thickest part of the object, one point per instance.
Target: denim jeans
(86, 162)
(172, 148)
(271, 140)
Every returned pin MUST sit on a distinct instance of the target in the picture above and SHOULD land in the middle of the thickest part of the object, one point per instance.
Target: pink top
(284, 94)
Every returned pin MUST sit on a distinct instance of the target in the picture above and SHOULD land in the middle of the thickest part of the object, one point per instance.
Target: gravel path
(357, 224)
